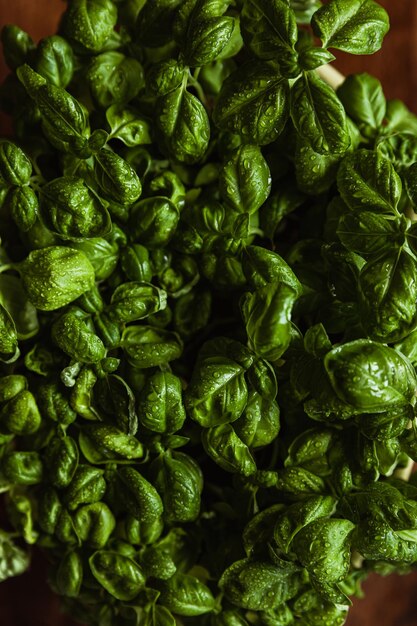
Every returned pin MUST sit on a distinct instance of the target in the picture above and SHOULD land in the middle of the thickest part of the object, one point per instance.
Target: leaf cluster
(208, 312)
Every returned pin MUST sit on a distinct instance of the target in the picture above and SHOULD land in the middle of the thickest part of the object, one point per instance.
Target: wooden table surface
(392, 601)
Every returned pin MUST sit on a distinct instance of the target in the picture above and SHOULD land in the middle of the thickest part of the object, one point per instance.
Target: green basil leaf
(254, 103)
(270, 31)
(318, 115)
(369, 375)
(55, 276)
(245, 180)
(263, 267)
(94, 523)
(128, 126)
(259, 424)
(120, 576)
(367, 180)
(387, 304)
(114, 79)
(17, 45)
(267, 314)
(55, 60)
(55, 405)
(355, 26)
(69, 575)
(64, 119)
(134, 301)
(102, 443)
(9, 350)
(312, 58)
(160, 406)
(208, 32)
(102, 255)
(257, 585)
(90, 23)
(24, 207)
(226, 449)
(72, 211)
(116, 178)
(298, 516)
(183, 125)
(140, 498)
(153, 221)
(184, 594)
(315, 173)
(146, 346)
(217, 393)
(369, 234)
(14, 560)
(179, 480)
(364, 101)
(86, 487)
(23, 468)
(323, 547)
(20, 415)
(15, 166)
(61, 460)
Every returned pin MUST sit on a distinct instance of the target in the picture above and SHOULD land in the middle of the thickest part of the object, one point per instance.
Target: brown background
(391, 601)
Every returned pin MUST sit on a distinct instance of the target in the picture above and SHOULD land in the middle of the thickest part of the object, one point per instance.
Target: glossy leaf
(55, 60)
(254, 103)
(258, 585)
(367, 180)
(72, 211)
(356, 26)
(388, 305)
(55, 276)
(118, 574)
(318, 115)
(183, 125)
(364, 101)
(114, 79)
(90, 22)
(369, 375)
(226, 449)
(245, 180)
(270, 31)
(184, 594)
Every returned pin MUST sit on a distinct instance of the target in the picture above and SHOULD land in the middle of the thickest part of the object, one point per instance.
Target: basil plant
(208, 312)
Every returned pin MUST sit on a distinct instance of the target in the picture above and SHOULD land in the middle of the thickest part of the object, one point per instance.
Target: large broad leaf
(356, 26)
(323, 547)
(388, 296)
(207, 33)
(217, 393)
(270, 30)
(315, 173)
(318, 115)
(245, 180)
(367, 181)
(226, 449)
(183, 124)
(253, 103)
(184, 594)
(368, 233)
(370, 376)
(364, 101)
(258, 585)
